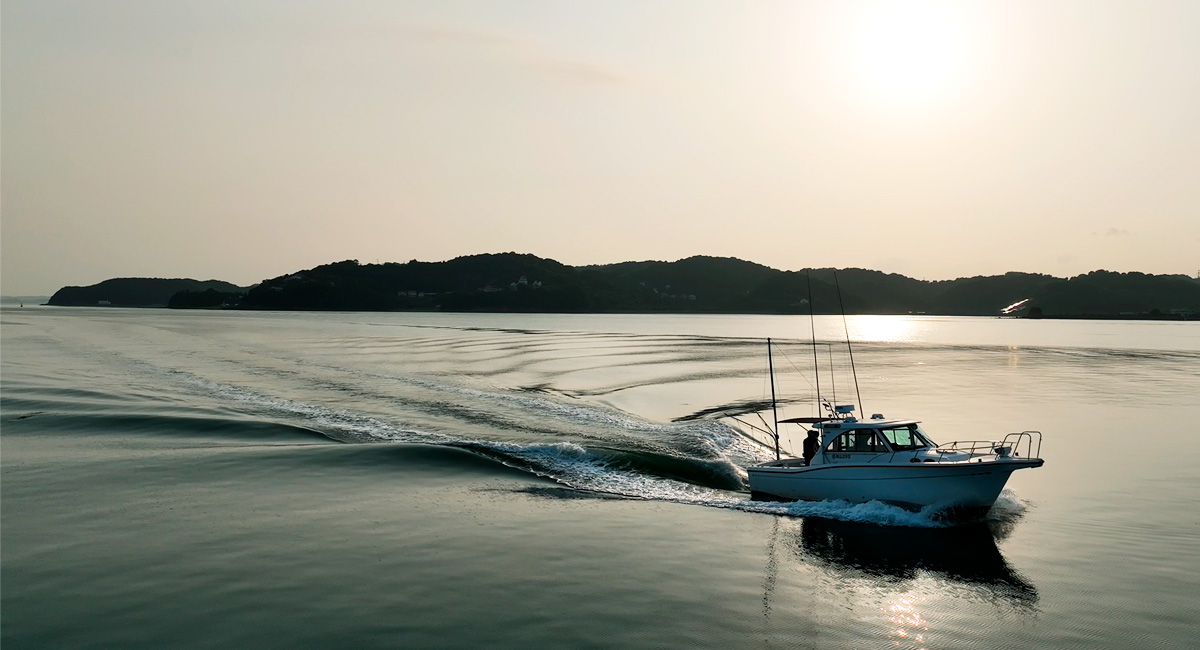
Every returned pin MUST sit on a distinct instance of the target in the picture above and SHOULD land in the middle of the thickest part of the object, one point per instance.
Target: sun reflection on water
(883, 329)
(908, 625)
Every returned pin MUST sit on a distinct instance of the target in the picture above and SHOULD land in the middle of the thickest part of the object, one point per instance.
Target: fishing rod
(774, 410)
(813, 328)
(862, 409)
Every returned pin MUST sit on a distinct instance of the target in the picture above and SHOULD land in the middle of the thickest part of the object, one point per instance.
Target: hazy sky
(245, 139)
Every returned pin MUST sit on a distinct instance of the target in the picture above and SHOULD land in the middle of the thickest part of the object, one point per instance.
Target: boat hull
(966, 486)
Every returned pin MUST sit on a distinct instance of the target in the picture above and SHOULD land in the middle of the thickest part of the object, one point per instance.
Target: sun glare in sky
(965, 137)
(907, 54)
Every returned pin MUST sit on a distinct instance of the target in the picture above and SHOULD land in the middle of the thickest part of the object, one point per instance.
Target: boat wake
(696, 462)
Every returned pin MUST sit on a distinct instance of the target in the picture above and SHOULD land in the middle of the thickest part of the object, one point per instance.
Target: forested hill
(511, 282)
(526, 283)
(134, 292)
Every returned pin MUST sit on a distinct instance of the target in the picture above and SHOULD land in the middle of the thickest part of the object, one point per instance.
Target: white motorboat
(892, 461)
(895, 462)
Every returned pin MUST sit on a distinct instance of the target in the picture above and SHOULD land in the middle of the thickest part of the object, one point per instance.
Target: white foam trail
(351, 425)
(872, 512)
(1008, 506)
(715, 441)
(575, 467)
(710, 440)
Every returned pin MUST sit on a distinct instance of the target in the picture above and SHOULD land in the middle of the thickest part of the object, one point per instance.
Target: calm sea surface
(271, 480)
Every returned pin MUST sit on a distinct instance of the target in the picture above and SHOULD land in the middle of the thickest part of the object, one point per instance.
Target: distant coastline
(511, 282)
(135, 292)
(14, 301)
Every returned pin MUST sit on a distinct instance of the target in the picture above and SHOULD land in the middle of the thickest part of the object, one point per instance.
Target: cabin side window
(858, 440)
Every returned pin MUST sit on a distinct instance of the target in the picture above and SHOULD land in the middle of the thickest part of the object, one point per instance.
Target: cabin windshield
(905, 438)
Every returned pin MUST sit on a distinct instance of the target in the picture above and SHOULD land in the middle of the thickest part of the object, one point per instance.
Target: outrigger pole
(774, 411)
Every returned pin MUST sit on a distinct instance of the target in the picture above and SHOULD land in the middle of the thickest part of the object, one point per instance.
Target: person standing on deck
(811, 443)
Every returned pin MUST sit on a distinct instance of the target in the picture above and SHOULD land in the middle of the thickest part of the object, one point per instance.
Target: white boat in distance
(895, 462)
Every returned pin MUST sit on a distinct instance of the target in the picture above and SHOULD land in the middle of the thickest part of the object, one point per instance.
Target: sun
(908, 53)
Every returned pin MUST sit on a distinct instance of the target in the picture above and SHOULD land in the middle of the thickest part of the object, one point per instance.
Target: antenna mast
(774, 411)
(862, 409)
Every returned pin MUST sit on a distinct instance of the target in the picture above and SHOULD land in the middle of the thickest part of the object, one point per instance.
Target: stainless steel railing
(1014, 445)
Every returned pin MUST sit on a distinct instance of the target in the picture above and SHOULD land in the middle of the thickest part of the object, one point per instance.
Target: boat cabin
(840, 439)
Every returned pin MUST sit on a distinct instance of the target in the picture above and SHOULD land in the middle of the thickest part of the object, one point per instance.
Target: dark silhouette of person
(811, 443)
